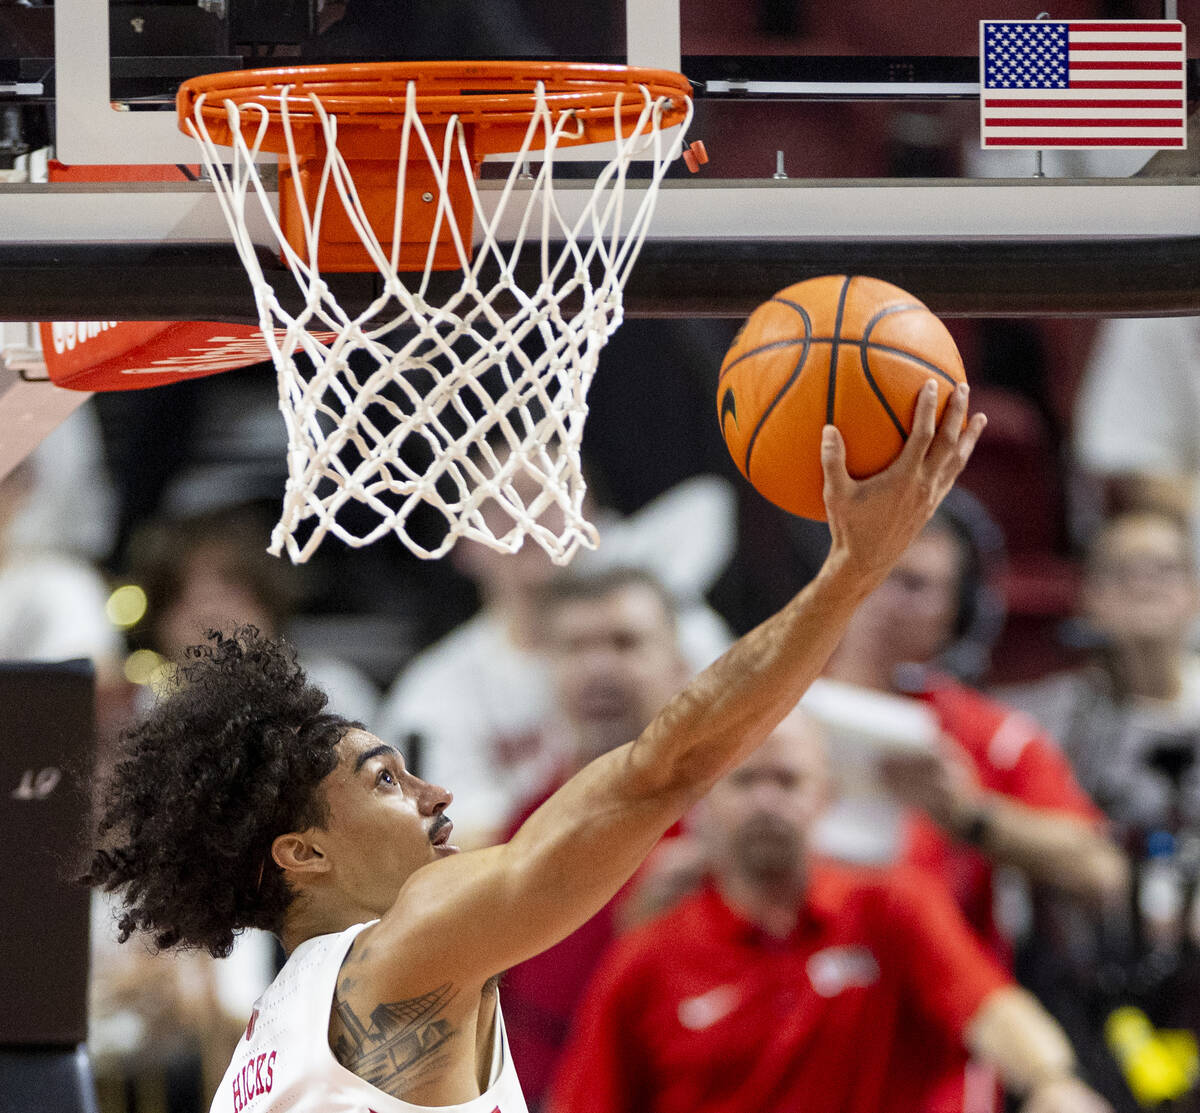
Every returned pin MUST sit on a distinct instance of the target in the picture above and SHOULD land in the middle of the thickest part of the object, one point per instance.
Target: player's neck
(308, 918)
(772, 905)
(517, 614)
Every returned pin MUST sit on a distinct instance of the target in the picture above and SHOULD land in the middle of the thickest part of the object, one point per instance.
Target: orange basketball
(841, 349)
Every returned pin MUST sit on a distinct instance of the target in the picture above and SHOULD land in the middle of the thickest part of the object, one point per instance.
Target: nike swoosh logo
(728, 406)
(698, 1013)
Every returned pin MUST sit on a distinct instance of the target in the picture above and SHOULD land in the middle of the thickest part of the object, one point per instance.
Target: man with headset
(998, 791)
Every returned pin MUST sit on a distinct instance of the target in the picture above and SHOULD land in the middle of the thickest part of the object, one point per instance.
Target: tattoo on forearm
(400, 1042)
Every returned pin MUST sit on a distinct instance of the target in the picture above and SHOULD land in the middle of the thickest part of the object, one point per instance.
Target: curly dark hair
(220, 767)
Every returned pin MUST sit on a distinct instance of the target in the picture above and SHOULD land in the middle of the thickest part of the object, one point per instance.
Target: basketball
(844, 350)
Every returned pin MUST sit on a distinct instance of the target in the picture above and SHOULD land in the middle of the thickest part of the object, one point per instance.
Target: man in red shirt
(1000, 791)
(788, 984)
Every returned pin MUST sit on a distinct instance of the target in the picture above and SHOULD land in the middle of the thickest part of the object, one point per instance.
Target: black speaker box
(46, 742)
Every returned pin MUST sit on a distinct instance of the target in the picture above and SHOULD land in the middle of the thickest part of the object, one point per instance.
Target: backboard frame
(89, 130)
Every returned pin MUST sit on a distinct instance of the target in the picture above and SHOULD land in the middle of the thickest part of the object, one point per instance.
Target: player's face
(910, 616)
(616, 663)
(758, 819)
(1141, 584)
(384, 823)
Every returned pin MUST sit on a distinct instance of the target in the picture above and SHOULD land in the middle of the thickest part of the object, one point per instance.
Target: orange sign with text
(129, 355)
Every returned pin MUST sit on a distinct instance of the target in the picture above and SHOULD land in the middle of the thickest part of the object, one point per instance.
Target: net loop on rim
(437, 417)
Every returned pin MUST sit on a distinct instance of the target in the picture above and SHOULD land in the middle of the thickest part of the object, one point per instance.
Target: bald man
(789, 983)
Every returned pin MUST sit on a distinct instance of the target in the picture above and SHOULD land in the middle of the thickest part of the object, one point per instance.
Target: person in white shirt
(1137, 417)
(240, 803)
(1140, 690)
(51, 603)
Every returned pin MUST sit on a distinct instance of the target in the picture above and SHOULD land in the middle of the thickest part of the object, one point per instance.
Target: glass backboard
(827, 125)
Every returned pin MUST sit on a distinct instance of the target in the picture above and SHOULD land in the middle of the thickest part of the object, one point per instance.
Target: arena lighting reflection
(126, 606)
(145, 667)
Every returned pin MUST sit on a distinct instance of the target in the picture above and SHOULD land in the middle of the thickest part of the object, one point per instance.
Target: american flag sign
(1083, 83)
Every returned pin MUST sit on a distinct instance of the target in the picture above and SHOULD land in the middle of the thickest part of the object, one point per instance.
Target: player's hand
(1065, 1095)
(939, 783)
(873, 520)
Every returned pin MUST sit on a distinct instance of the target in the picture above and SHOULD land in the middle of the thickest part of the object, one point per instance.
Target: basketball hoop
(455, 407)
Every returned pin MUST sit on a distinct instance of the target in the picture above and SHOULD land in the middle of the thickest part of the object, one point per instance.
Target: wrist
(1061, 1075)
(846, 575)
(972, 822)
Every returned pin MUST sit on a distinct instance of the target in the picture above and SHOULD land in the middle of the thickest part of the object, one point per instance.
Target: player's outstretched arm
(478, 913)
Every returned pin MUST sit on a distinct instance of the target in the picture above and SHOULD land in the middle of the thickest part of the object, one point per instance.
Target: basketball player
(240, 803)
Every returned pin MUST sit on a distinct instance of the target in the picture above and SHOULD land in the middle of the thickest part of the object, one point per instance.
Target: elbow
(1110, 875)
(673, 761)
(1101, 874)
(676, 783)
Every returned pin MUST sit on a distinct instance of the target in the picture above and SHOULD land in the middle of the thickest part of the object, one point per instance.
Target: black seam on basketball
(866, 366)
(867, 341)
(887, 313)
(794, 305)
(796, 372)
(775, 345)
(890, 349)
(874, 344)
(831, 391)
(729, 406)
(864, 349)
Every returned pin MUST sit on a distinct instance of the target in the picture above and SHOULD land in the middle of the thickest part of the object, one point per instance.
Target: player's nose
(434, 798)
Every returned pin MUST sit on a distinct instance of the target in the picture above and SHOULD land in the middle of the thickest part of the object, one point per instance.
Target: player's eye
(385, 777)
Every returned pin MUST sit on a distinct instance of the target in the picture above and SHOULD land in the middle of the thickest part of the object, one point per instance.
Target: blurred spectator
(789, 983)
(1137, 421)
(1141, 689)
(163, 1026)
(1129, 720)
(74, 506)
(51, 604)
(999, 790)
(616, 663)
(478, 702)
(212, 571)
(151, 1020)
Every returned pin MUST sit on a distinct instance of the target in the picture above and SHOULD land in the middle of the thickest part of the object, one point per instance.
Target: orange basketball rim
(492, 103)
(495, 99)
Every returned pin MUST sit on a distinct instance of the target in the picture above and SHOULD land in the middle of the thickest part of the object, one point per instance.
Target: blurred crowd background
(143, 521)
(1047, 624)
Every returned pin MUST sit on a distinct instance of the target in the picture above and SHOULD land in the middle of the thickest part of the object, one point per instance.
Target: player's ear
(296, 852)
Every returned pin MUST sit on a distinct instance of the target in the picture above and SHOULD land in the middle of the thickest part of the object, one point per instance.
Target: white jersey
(283, 1063)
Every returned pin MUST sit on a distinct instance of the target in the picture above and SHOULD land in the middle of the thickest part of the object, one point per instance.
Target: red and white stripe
(1126, 88)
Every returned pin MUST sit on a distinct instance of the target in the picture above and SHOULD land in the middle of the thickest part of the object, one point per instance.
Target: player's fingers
(954, 416)
(942, 454)
(833, 464)
(924, 426)
(969, 438)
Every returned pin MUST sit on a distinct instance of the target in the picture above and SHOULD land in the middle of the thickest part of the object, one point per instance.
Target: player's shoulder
(867, 888)
(894, 905)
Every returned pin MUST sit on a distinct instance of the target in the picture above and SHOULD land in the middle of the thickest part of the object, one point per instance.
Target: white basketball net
(458, 409)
